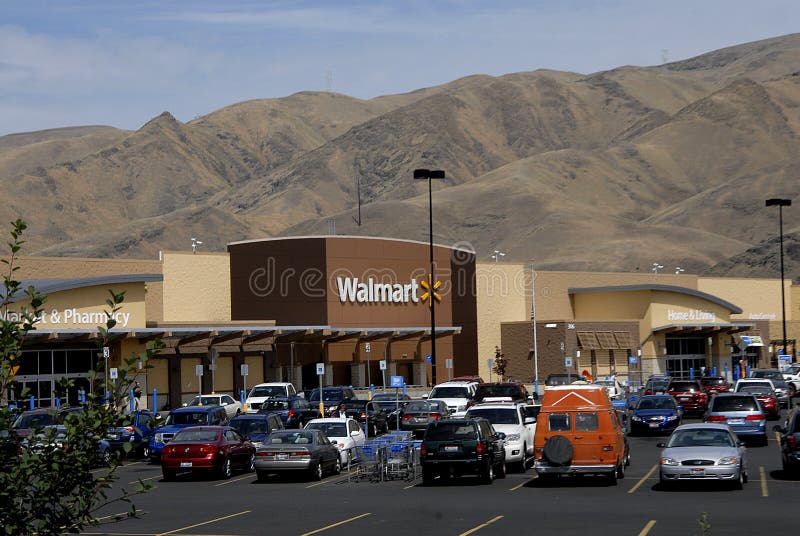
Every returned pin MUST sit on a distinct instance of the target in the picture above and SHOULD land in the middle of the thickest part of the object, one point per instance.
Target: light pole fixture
(679, 270)
(496, 255)
(657, 267)
(780, 203)
(195, 243)
(430, 175)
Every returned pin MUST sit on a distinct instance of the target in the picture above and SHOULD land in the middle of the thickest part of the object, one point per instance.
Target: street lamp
(780, 203)
(429, 175)
(657, 267)
(496, 255)
(679, 270)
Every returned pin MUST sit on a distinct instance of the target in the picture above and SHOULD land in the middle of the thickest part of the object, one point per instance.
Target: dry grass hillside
(607, 171)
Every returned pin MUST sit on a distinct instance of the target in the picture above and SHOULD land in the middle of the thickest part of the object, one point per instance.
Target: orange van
(578, 432)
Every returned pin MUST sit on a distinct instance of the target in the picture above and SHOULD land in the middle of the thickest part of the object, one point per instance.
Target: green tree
(52, 489)
(500, 362)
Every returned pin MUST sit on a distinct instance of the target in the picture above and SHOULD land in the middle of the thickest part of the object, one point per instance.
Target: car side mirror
(500, 435)
(661, 445)
(334, 442)
(424, 397)
(530, 420)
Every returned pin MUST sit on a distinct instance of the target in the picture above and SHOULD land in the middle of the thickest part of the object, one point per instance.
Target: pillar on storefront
(174, 382)
(205, 380)
(296, 378)
(419, 371)
(391, 370)
(358, 375)
(238, 380)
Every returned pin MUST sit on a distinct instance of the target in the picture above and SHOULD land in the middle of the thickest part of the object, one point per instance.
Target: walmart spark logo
(430, 293)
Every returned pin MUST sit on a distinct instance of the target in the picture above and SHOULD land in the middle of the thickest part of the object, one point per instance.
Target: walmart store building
(279, 306)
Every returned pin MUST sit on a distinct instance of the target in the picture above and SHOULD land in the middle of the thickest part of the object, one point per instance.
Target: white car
(345, 431)
(455, 394)
(517, 421)
(232, 407)
(262, 391)
(614, 388)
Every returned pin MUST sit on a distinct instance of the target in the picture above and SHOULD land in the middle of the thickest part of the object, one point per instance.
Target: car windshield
(700, 437)
(276, 405)
(683, 386)
(756, 390)
(290, 438)
(770, 374)
(496, 415)
(359, 405)
(762, 385)
(721, 404)
(33, 420)
(264, 391)
(250, 426)
(713, 381)
(421, 406)
(606, 383)
(560, 379)
(196, 435)
(657, 403)
(449, 392)
(331, 429)
(383, 397)
(205, 401)
(328, 395)
(657, 385)
(451, 431)
(489, 391)
(186, 417)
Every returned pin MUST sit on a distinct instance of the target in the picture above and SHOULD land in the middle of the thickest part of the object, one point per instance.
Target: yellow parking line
(515, 488)
(482, 525)
(647, 527)
(643, 479)
(778, 439)
(330, 481)
(204, 523)
(764, 491)
(234, 480)
(336, 524)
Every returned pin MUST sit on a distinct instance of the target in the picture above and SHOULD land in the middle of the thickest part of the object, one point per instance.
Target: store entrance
(47, 375)
(686, 356)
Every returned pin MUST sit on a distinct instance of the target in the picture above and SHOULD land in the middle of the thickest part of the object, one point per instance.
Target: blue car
(183, 418)
(655, 414)
(257, 427)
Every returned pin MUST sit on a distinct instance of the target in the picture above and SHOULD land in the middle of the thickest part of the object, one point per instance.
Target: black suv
(331, 397)
(507, 391)
(454, 447)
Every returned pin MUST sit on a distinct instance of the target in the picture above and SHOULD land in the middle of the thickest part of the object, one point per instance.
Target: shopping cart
(371, 461)
(402, 461)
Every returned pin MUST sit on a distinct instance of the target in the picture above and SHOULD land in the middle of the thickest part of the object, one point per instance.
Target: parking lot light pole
(429, 175)
(780, 203)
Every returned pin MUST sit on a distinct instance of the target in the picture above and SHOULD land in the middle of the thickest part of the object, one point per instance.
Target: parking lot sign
(396, 381)
(382, 364)
(568, 362)
(320, 369)
(198, 370)
(245, 369)
(112, 373)
(631, 359)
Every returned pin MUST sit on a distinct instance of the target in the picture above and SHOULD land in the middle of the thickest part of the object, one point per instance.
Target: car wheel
(316, 471)
(238, 412)
(337, 467)
(226, 470)
(663, 482)
(745, 476)
(488, 474)
(612, 477)
(620, 472)
(169, 474)
(261, 476)
(252, 465)
(501, 470)
(739, 481)
(627, 458)
(427, 476)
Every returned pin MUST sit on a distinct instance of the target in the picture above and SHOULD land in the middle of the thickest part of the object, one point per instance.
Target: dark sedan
(256, 427)
(305, 451)
(216, 449)
(294, 411)
(655, 414)
(370, 413)
(418, 413)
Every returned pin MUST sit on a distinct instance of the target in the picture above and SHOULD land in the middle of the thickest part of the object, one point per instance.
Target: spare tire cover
(558, 451)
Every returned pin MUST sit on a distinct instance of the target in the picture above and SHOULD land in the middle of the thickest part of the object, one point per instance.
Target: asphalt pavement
(342, 505)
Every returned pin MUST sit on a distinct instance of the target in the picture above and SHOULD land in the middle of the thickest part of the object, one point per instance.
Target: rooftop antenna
(195, 243)
(358, 195)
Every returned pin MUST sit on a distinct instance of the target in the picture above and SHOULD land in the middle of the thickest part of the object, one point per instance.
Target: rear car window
(451, 431)
(496, 415)
(449, 392)
(490, 391)
(713, 381)
(734, 403)
(586, 422)
(559, 422)
(683, 386)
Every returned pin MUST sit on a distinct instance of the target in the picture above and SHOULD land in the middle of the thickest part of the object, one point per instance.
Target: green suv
(455, 447)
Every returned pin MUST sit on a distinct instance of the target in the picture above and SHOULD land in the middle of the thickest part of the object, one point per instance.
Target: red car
(765, 397)
(217, 449)
(689, 394)
(713, 385)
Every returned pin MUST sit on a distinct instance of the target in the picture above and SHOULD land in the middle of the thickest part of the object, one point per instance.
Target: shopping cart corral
(394, 456)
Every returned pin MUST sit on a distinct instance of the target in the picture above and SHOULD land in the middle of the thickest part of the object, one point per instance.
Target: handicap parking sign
(396, 381)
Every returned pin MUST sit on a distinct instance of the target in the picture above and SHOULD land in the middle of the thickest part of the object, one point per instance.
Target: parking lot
(342, 505)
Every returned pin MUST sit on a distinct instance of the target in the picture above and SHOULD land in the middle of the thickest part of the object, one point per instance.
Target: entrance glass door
(683, 366)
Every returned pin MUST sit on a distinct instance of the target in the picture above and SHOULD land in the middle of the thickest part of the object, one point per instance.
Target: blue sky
(78, 62)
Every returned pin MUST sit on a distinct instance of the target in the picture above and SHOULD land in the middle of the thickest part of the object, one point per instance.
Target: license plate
(186, 464)
(697, 471)
(653, 425)
(451, 448)
(113, 437)
(282, 457)
(736, 421)
(686, 399)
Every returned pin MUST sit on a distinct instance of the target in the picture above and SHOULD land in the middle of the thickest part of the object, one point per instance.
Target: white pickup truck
(792, 376)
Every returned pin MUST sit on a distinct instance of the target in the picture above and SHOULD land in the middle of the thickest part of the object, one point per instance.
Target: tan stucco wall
(503, 296)
(760, 299)
(606, 305)
(197, 287)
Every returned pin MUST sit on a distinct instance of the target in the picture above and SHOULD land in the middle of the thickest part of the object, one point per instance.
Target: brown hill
(612, 170)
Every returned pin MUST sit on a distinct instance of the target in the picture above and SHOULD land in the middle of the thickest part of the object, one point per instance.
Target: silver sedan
(703, 452)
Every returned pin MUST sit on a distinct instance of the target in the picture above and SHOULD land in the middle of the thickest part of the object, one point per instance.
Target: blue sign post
(397, 382)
